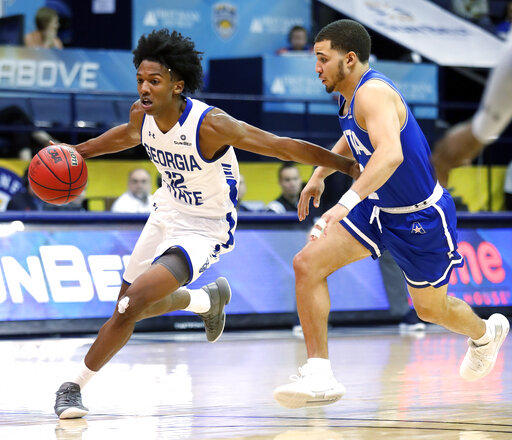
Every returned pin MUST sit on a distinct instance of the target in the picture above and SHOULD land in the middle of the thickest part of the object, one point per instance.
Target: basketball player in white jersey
(465, 141)
(194, 216)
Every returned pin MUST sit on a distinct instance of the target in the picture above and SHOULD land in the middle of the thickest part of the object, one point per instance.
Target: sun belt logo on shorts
(204, 266)
(417, 228)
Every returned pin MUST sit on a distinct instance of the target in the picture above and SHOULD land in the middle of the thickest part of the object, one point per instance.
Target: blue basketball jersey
(413, 181)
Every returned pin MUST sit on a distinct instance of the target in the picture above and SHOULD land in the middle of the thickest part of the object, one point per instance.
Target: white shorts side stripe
(445, 227)
(433, 283)
(362, 235)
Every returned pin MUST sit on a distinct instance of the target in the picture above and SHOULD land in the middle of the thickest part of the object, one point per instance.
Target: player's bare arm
(315, 186)
(117, 138)
(220, 129)
(378, 110)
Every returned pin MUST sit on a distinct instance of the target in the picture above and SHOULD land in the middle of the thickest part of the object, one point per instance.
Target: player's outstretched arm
(220, 129)
(315, 186)
(117, 138)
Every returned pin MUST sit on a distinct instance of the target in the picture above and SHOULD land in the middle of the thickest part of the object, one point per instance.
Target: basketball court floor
(177, 386)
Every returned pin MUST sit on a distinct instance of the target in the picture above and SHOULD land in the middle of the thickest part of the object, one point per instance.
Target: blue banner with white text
(295, 77)
(73, 272)
(69, 273)
(224, 29)
(82, 70)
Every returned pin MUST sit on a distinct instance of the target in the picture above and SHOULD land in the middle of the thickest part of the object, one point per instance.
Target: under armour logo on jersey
(151, 134)
(417, 228)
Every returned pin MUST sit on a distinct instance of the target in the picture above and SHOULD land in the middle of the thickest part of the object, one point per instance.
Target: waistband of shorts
(431, 200)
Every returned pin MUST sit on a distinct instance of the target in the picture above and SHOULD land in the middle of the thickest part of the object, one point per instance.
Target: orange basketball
(57, 174)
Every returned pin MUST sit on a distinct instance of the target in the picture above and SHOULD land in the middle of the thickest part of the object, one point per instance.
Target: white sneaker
(309, 389)
(480, 360)
(404, 327)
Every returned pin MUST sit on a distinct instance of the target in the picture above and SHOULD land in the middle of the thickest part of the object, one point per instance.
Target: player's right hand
(314, 188)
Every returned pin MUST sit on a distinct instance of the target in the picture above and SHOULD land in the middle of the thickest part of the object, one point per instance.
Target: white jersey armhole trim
(401, 98)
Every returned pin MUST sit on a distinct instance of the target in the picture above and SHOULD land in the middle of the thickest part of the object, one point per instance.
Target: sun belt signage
(224, 28)
(426, 28)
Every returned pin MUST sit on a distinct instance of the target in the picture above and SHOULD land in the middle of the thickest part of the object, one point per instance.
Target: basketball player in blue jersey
(194, 214)
(395, 204)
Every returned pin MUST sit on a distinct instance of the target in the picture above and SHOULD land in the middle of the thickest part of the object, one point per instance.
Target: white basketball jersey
(190, 183)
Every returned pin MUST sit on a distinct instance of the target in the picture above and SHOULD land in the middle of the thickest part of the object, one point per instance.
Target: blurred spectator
(23, 143)
(291, 186)
(137, 198)
(242, 189)
(503, 28)
(476, 11)
(298, 42)
(45, 35)
(25, 199)
(247, 206)
(508, 188)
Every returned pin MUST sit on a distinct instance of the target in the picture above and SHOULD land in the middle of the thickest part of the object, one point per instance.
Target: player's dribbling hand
(334, 215)
(314, 188)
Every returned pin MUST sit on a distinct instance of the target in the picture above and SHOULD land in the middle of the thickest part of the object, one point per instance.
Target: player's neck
(170, 116)
(348, 86)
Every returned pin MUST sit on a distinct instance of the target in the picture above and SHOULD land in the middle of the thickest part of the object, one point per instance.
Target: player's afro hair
(173, 51)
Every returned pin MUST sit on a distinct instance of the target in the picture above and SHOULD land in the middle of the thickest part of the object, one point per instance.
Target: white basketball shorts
(201, 239)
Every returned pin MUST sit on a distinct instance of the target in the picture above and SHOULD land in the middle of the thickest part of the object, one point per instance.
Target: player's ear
(178, 87)
(351, 58)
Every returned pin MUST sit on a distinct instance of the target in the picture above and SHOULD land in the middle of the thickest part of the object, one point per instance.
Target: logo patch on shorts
(204, 266)
(417, 228)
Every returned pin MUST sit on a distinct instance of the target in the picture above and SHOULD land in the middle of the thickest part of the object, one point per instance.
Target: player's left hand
(334, 215)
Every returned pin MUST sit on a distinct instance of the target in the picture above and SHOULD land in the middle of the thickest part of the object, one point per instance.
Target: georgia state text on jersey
(190, 183)
(415, 173)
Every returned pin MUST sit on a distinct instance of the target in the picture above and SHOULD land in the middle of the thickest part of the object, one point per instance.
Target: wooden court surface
(176, 386)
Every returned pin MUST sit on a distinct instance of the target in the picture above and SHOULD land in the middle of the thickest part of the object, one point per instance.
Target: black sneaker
(68, 403)
(215, 318)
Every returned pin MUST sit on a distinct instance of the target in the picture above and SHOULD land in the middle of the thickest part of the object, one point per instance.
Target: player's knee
(428, 313)
(131, 306)
(301, 264)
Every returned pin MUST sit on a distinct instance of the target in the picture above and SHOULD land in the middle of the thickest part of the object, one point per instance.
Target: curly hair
(173, 51)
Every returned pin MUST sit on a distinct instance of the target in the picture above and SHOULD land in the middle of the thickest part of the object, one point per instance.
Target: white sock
(199, 301)
(320, 366)
(488, 335)
(84, 376)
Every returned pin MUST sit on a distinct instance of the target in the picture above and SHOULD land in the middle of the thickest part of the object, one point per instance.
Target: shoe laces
(480, 354)
(69, 396)
(303, 372)
(209, 321)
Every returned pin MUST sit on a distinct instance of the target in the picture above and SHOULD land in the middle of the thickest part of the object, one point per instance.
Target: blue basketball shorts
(423, 243)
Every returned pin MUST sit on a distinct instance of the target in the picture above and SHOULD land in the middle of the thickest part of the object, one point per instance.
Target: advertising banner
(67, 70)
(295, 77)
(63, 273)
(486, 277)
(224, 29)
(426, 28)
(76, 272)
